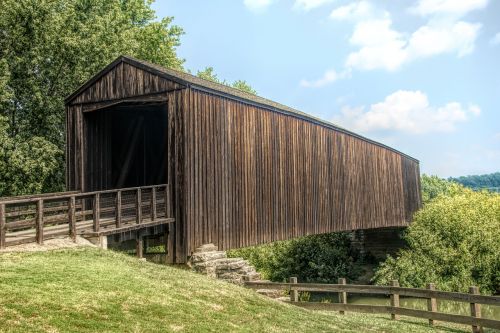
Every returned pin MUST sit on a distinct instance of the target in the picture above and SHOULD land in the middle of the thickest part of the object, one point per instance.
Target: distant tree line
(489, 181)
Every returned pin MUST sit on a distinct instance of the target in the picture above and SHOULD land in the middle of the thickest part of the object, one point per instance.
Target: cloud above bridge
(379, 45)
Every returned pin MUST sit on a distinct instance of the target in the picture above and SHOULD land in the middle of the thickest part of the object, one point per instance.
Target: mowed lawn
(92, 290)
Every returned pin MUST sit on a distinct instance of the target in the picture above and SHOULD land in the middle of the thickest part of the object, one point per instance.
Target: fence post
(294, 294)
(97, 212)
(118, 209)
(475, 310)
(71, 218)
(138, 207)
(394, 299)
(39, 221)
(342, 294)
(153, 203)
(3, 230)
(431, 302)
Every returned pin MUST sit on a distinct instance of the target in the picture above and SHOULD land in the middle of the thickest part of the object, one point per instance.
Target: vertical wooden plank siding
(243, 175)
(254, 176)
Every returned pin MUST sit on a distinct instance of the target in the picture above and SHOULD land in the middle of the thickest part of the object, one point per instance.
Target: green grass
(89, 290)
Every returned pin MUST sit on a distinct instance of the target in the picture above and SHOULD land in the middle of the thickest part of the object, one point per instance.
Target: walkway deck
(30, 219)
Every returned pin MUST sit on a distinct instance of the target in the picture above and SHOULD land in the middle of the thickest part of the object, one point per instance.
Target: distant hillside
(490, 181)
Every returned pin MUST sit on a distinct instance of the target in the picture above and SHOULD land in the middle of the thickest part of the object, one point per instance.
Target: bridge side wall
(253, 176)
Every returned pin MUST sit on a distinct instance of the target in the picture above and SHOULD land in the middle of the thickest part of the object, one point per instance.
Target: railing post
(39, 221)
(71, 218)
(139, 244)
(153, 203)
(168, 212)
(394, 299)
(97, 212)
(431, 302)
(138, 207)
(475, 310)
(3, 230)
(294, 294)
(342, 294)
(118, 209)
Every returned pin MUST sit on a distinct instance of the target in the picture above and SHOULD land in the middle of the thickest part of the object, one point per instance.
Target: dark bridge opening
(126, 146)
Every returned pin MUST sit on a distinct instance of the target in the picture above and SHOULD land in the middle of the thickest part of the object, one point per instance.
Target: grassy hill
(89, 290)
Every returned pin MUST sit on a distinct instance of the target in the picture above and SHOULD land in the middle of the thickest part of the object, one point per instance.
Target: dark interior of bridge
(126, 146)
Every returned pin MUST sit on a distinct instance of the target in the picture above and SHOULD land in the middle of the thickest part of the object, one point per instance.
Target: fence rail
(32, 218)
(394, 291)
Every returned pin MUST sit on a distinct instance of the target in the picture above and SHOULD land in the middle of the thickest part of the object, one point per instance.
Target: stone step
(233, 277)
(207, 256)
(247, 269)
(230, 264)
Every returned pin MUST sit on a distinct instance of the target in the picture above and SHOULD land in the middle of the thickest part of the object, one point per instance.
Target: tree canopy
(47, 49)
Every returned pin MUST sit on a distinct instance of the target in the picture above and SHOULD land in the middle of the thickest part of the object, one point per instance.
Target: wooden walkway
(28, 219)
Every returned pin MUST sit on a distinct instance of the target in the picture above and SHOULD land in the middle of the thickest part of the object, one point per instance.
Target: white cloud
(383, 47)
(327, 78)
(447, 7)
(380, 46)
(439, 38)
(496, 39)
(407, 111)
(353, 11)
(307, 5)
(257, 5)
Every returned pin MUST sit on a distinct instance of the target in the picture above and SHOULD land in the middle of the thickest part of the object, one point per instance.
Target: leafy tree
(48, 48)
(209, 74)
(244, 86)
(433, 186)
(28, 166)
(453, 242)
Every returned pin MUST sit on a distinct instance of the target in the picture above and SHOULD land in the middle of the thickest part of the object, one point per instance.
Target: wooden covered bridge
(240, 169)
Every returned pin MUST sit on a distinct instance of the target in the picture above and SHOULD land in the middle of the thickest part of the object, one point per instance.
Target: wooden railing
(394, 291)
(26, 219)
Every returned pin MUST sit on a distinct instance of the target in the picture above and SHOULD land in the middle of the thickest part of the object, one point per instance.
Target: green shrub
(317, 258)
(454, 241)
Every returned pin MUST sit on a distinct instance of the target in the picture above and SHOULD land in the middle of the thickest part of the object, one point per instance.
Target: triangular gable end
(120, 80)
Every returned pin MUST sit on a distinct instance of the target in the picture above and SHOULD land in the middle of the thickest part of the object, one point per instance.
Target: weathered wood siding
(243, 174)
(124, 81)
(254, 176)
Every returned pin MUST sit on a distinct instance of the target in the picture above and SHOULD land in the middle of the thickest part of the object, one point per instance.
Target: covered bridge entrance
(241, 170)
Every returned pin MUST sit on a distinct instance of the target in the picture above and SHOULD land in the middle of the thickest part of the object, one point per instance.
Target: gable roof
(190, 81)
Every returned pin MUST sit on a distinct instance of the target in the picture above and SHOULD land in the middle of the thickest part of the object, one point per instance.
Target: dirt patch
(50, 244)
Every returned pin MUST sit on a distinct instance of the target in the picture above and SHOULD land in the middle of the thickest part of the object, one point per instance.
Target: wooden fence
(394, 291)
(33, 218)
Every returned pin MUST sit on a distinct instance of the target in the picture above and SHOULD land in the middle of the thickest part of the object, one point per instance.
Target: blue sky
(422, 76)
